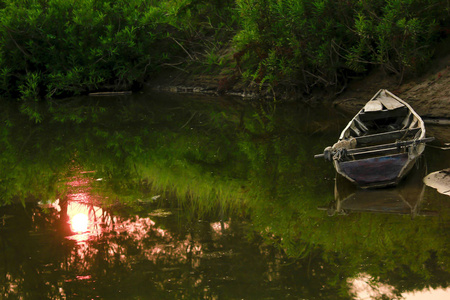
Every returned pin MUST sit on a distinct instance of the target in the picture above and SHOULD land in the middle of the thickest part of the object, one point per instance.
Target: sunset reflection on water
(89, 224)
(152, 244)
(79, 223)
(84, 220)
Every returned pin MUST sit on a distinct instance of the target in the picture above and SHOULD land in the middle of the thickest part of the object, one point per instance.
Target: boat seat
(383, 114)
(385, 136)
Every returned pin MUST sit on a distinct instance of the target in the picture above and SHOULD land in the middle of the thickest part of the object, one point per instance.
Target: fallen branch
(182, 48)
(110, 93)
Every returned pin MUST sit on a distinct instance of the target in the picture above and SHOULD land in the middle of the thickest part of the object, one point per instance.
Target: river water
(188, 197)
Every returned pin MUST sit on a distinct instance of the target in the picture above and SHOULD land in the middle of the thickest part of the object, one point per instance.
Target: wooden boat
(380, 145)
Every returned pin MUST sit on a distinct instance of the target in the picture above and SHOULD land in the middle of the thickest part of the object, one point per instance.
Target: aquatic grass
(192, 188)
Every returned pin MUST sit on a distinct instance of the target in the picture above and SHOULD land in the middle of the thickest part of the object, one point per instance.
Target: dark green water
(181, 197)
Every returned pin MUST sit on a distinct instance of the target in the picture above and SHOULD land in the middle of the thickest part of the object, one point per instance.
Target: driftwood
(436, 121)
(99, 94)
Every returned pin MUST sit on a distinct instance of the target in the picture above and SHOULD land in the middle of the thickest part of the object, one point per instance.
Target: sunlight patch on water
(219, 228)
(435, 294)
(85, 221)
(365, 287)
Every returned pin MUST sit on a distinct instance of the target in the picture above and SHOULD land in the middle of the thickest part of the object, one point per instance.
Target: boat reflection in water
(404, 199)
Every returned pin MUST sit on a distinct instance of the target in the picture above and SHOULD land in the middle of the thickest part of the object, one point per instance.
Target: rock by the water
(439, 180)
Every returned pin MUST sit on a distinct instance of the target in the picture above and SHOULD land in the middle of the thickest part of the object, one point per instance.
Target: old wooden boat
(380, 145)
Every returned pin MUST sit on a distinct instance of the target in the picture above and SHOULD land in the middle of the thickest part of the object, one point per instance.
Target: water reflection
(84, 219)
(404, 199)
(79, 223)
(365, 287)
(200, 199)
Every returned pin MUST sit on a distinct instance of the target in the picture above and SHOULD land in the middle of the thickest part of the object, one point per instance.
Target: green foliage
(54, 48)
(398, 35)
(82, 46)
(58, 48)
(321, 42)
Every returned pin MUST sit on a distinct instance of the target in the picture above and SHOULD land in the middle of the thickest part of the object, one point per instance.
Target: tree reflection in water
(198, 201)
(147, 252)
(131, 256)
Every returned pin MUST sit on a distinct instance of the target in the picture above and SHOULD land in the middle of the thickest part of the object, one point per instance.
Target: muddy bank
(428, 94)
(214, 83)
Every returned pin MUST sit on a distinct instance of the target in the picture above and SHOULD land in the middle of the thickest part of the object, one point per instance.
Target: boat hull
(376, 171)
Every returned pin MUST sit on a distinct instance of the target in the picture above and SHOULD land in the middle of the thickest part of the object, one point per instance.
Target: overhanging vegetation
(59, 48)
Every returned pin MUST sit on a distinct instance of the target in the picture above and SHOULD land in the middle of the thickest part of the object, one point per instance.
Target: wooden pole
(378, 148)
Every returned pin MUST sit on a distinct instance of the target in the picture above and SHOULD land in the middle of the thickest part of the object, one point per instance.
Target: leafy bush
(58, 48)
(321, 42)
(66, 47)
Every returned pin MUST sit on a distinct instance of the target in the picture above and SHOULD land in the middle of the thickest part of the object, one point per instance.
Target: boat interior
(383, 125)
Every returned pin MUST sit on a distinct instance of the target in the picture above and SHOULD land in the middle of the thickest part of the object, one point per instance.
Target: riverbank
(429, 94)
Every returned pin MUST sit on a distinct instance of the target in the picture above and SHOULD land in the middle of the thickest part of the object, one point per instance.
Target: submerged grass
(204, 193)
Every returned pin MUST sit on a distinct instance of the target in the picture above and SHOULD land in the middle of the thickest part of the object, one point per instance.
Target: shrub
(79, 46)
(321, 42)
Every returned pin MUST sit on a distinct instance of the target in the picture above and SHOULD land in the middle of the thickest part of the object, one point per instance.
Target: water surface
(183, 197)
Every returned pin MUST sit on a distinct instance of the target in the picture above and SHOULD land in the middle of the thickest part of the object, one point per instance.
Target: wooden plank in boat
(382, 114)
(379, 137)
(390, 103)
(373, 105)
